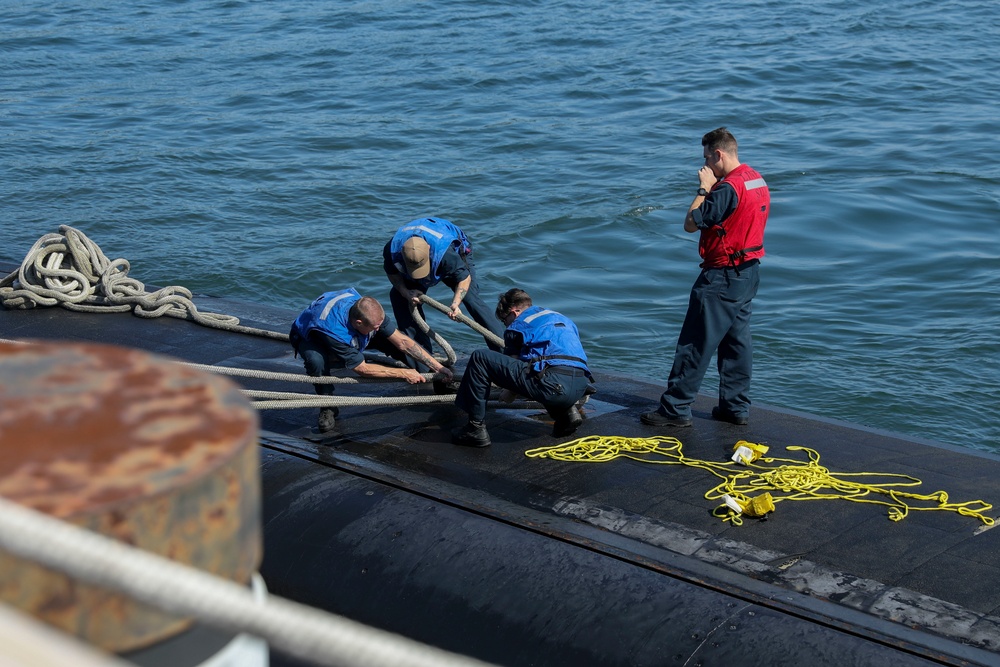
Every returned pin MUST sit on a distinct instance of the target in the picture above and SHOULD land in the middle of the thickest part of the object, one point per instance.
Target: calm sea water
(267, 150)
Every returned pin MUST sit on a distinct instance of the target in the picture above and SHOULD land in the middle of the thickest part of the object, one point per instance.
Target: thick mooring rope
(450, 356)
(286, 400)
(296, 377)
(464, 319)
(279, 400)
(69, 270)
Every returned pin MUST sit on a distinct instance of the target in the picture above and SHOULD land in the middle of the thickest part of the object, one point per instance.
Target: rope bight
(762, 482)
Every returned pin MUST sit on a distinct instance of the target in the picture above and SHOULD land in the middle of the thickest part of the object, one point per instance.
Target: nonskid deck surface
(928, 578)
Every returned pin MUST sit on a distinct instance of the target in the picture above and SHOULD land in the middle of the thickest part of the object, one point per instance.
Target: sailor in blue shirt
(543, 360)
(337, 328)
(423, 253)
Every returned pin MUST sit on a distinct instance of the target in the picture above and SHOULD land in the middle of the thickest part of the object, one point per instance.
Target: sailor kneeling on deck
(336, 329)
(543, 360)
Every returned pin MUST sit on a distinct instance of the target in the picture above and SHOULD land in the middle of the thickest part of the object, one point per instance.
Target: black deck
(926, 587)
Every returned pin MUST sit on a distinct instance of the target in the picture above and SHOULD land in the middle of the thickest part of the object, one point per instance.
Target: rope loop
(450, 357)
(745, 485)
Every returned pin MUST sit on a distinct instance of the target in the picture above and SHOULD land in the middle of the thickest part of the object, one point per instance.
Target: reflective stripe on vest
(740, 237)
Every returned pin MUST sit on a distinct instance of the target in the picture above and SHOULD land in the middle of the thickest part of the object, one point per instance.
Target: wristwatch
(703, 192)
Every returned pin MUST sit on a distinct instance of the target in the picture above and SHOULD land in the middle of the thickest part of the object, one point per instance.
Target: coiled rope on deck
(781, 479)
(69, 270)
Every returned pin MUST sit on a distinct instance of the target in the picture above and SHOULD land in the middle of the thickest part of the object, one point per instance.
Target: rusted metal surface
(135, 447)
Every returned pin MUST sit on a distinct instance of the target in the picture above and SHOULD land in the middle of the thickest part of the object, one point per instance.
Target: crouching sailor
(336, 329)
(542, 360)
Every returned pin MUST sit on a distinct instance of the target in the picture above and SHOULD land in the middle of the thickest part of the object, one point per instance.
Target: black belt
(564, 370)
(739, 267)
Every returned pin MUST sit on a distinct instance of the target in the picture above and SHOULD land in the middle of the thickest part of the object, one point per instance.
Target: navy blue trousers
(319, 358)
(556, 390)
(717, 321)
(473, 301)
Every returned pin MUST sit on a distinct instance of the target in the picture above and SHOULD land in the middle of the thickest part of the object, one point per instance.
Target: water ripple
(267, 150)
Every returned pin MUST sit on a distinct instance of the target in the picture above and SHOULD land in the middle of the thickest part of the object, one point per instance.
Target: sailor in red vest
(730, 211)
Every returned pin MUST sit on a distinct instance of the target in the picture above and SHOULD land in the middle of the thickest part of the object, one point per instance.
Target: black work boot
(657, 418)
(568, 423)
(472, 434)
(723, 415)
(587, 393)
(327, 419)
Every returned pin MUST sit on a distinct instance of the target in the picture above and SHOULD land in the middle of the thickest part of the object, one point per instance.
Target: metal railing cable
(294, 629)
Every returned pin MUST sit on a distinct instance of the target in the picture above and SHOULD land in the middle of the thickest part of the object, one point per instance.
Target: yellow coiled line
(758, 485)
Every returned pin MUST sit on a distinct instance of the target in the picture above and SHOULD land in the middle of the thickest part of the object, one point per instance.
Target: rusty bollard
(138, 448)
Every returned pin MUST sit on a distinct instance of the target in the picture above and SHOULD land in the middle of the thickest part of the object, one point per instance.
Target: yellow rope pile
(753, 484)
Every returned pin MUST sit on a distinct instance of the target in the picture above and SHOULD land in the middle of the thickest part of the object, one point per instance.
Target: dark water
(267, 150)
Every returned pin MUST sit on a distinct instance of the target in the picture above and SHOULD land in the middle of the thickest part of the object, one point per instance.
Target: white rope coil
(69, 270)
(295, 629)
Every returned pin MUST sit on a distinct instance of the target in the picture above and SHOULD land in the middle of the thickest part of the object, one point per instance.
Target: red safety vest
(740, 237)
